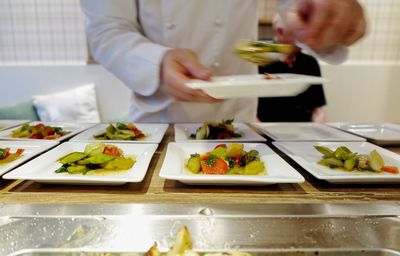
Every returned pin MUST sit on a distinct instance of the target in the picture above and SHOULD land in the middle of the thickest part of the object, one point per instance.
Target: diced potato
(183, 242)
(219, 152)
(235, 150)
(119, 163)
(153, 251)
(193, 164)
(254, 168)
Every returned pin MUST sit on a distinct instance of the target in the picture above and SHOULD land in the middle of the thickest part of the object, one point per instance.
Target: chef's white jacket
(130, 38)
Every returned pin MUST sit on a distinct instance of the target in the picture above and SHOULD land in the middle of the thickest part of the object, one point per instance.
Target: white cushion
(78, 105)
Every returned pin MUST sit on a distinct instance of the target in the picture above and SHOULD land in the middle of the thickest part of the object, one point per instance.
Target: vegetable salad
(120, 132)
(97, 158)
(343, 159)
(216, 131)
(39, 131)
(6, 156)
(224, 159)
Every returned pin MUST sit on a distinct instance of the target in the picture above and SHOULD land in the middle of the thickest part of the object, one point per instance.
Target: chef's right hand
(178, 67)
(324, 24)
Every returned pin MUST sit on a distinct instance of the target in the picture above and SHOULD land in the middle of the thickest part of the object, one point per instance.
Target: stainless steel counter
(273, 229)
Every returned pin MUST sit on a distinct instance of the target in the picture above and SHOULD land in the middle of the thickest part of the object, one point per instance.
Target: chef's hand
(178, 67)
(323, 24)
(318, 115)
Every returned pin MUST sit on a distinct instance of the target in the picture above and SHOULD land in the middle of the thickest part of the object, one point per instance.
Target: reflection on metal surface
(314, 252)
(301, 229)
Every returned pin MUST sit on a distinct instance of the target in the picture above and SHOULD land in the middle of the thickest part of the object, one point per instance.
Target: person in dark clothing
(304, 107)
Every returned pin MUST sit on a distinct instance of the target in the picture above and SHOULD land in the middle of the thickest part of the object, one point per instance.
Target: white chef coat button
(218, 22)
(170, 25)
(216, 64)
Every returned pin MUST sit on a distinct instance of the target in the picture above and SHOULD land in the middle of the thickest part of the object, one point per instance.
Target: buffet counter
(155, 190)
(262, 230)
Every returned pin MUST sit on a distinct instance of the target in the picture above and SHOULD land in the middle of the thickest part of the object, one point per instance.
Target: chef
(156, 46)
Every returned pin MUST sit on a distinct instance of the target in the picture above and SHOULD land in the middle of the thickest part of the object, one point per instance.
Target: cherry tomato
(36, 136)
(19, 151)
(49, 131)
(111, 151)
(237, 160)
(221, 146)
(223, 135)
(7, 152)
(39, 126)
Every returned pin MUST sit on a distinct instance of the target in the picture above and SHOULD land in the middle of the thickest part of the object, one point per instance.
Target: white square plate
(153, 133)
(242, 86)
(307, 157)
(42, 169)
(73, 128)
(378, 133)
(278, 170)
(6, 124)
(304, 132)
(183, 131)
(31, 149)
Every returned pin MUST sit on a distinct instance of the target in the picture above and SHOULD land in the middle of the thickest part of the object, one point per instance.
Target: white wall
(19, 83)
(362, 93)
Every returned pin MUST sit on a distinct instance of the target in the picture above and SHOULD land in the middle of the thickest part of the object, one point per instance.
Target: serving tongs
(263, 52)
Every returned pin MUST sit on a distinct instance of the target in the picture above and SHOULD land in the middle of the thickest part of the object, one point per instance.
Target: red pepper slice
(221, 146)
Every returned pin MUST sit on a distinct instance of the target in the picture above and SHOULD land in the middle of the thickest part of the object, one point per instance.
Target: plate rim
(46, 145)
(5, 134)
(296, 177)
(162, 126)
(308, 167)
(273, 136)
(378, 141)
(16, 123)
(177, 131)
(200, 84)
(259, 87)
(96, 180)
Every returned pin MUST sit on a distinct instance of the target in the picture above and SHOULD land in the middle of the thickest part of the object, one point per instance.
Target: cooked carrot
(391, 169)
(218, 166)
